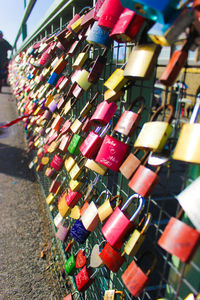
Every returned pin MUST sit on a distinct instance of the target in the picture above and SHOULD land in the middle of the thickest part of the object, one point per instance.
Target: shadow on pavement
(14, 162)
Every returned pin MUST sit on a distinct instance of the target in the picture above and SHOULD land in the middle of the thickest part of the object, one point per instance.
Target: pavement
(25, 229)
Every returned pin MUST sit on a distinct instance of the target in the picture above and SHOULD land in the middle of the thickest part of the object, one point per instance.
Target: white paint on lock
(189, 199)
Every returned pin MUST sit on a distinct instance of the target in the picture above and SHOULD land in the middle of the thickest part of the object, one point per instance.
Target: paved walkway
(24, 230)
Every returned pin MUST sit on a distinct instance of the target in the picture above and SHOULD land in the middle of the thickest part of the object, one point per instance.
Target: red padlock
(129, 119)
(118, 224)
(112, 258)
(135, 278)
(55, 185)
(110, 13)
(180, 239)
(84, 278)
(72, 198)
(103, 113)
(57, 162)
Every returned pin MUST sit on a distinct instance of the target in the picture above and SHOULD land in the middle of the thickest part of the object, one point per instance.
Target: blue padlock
(157, 11)
(78, 232)
(53, 79)
(99, 36)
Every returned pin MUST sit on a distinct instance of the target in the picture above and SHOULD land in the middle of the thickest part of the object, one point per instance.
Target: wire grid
(162, 203)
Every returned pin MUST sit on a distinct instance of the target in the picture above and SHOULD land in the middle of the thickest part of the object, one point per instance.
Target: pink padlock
(72, 198)
(57, 162)
(103, 113)
(110, 13)
(62, 232)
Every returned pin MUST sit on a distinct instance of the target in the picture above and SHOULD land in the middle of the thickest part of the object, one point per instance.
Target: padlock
(81, 58)
(58, 121)
(75, 185)
(189, 139)
(66, 127)
(62, 232)
(136, 278)
(82, 257)
(63, 208)
(167, 34)
(127, 27)
(137, 237)
(78, 232)
(90, 217)
(88, 106)
(176, 62)
(95, 260)
(72, 198)
(69, 296)
(141, 62)
(62, 86)
(99, 36)
(69, 163)
(58, 220)
(192, 297)
(55, 185)
(92, 142)
(77, 169)
(180, 239)
(112, 96)
(74, 19)
(77, 124)
(117, 80)
(64, 39)
(85, 278)
(74, 48)
(60, 65)
(154, 134)
(112, 295)
(129, 120)
(57, 162)
(112, 152)
(118, 224)
(190, 201)
(75, 143)
(144, 180)
(110, 14)
(97, 67)
(75, 212)
(88, 19)
(106, 209)
(53, 79)
(131, 164)
(112, 258)
(77, 91)
(64, 143)
(70, 264)
(82, 80)
(69, 105)
(103, 113)
(156, 11)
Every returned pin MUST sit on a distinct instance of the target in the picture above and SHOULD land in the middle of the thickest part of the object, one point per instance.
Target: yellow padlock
(76, 26)
(106, 209)
(69, 163)
(96, 167)
(77, 169)
(63, 208)
(111, 295)
(81, 58)
(192, 297)
(50, 198)
(138, 236)
(82, 80)
(116, 81)
(76, 126)
(75, 185)
(154, 134)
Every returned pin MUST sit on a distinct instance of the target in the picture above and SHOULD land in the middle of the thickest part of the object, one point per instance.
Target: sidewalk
(25, 229)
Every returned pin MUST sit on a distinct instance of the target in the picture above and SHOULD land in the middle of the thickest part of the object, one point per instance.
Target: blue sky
(11, 13)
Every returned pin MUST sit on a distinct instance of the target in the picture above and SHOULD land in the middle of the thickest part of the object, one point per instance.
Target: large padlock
(135, 278)
(189, 139)
(190, 201)
(141, 62)
(85, 278)
(81, 58)
(137, 237)
(92, 142)
(112, 258)
(96, 167)
(99, 36)
(118, 224)
(129, 119)
(106, 209)
(167, 34)
(103, 113)
(127, 27)
(110, 14)
(112, 152)
(116, 81)
(112, 295)
(90, 217)
(97, 67)
(154, 134)
(72, 198)
(78, 232)
(154, 10)
(180, 239)
(144, 180)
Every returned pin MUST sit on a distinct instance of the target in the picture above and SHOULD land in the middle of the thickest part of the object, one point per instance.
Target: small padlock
(70, 264)
(64, 143)
(141, 62)
(85, 278)
(117, 80)
(95, 260)
(88, 19)
(77, 169)
(78, 232)
(135, 278)
(69, 296)
(57, 162)
(129, 120)
(75, 143)
(112, 295)
(106, 209)
(112, 258)
(137, 237)
(69, 163)
(63, 208)
(82, 257)
(99, 36)
(154, 134)
(192, 297)
(53, 79)
(103, 113)
(98, 67)
(60, 65)
(82, 80)
(180, 239)
(127, 27)
(96, 167)
(118, 224)
(77, 125)
(81, 58)
(72, 198)
(62, 232)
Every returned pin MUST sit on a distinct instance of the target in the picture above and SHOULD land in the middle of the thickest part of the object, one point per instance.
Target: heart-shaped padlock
(82, 257)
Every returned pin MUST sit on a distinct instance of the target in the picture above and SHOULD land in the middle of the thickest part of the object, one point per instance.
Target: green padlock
(70, 264)
(75, 144)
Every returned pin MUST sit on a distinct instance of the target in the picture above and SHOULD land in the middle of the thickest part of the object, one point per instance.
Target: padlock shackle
(102, 193)
(139, 99)
(139, 208)
(86, 48)
(91, 101)
(76, 292)
(146, 221)
(158, 111)
(195, 112)
(153, 260)
(121, 294)
(114, 198)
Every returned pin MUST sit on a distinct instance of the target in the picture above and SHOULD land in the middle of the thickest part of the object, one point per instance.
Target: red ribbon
(14, 121)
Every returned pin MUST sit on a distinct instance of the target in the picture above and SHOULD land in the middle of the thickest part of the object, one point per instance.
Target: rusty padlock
(112, 295)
